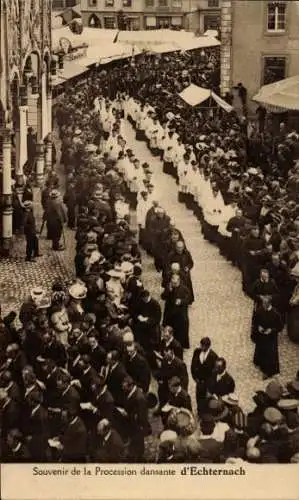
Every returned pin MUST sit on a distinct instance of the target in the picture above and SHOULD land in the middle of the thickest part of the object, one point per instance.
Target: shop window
(274, 69)
(109, 23)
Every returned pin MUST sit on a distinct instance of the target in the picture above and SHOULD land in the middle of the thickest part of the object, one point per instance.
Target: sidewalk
(17, 277)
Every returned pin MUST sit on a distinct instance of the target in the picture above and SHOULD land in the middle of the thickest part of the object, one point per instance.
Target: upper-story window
(163, 3)
(213, 3)
(127, 3)
(149, 3)
(276, 16)
(177, 4)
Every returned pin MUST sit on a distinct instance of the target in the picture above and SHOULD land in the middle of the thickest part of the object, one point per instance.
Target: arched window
(94, 22)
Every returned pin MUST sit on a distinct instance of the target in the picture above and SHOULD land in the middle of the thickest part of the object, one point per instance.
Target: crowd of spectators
(96, 363)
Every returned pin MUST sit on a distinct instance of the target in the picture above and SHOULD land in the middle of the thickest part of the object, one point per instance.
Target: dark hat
(274, 390)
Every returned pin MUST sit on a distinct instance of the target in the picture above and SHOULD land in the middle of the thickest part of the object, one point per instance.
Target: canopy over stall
(194, 95)
(280, 96)
(159, 41)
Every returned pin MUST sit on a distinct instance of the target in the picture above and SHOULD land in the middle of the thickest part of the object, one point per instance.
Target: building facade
(262, 42)
(25, 98)
(195, 15)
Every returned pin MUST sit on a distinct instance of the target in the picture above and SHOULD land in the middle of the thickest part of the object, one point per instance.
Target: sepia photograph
(149, 234)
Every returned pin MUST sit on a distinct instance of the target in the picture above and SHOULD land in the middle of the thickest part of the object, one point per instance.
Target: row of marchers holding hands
(76, 379)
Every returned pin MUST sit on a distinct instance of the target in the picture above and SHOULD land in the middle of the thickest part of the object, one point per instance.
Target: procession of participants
(97, 362)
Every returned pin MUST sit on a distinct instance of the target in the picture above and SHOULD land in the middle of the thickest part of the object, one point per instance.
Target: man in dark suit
(97, 353)
(138, 368)
(53, 349)
(168, 340)
(138, 424)
(74, 439)
(220, 383)
(147, 321)
(36, 428)
(87, 377)
(178, 398)
(68, 395)
(202, 367)
(10, 417)
(115, 375)
(171, 366)
(103, 400)
(109, 446)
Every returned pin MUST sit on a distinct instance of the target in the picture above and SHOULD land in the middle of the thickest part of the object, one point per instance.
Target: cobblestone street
(221, 310)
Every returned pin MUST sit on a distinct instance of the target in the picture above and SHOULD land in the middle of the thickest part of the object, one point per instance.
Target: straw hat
(54, 194)
(78, 291)
(231, 399)
(37, 293)
(169, 436)
(114, 274)
(288, 404)
(273, 415)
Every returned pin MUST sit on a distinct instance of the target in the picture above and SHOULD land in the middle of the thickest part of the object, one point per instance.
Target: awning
(70, 70)
(194, 95)
(108, 52)
(147, 39)
(221, 102)
(282, 95)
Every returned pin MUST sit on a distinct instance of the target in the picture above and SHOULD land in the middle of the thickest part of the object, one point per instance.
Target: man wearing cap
(30, 232)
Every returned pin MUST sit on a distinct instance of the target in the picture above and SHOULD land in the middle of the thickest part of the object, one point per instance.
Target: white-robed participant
(191, 178)
(212, 213)
(182, 172)
(179, 151)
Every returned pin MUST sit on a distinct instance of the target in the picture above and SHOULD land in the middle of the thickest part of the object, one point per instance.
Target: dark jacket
(74, 441)
(110, 450)
(138, 368)
(201, 372)
(226, 385)
(181, 400)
